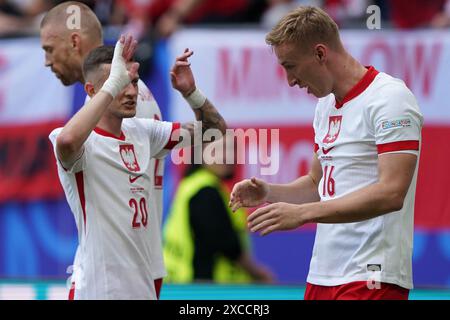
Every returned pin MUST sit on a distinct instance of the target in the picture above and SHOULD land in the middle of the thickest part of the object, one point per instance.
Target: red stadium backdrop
(241, 76)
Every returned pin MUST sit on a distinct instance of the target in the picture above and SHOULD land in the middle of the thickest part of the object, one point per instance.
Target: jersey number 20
(139, 210)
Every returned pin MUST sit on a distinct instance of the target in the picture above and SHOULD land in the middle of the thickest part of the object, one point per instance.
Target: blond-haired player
(361, 186)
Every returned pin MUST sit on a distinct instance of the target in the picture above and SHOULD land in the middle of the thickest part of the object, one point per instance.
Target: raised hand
(129, 47)
(181, 74)
(120, 76)
(248, 193)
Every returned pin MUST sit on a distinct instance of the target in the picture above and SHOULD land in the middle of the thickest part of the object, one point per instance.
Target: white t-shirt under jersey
(379, 115)
(147, 108)
(109, 190)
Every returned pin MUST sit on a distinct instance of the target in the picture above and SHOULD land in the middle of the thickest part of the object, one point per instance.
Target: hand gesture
(276, 217)
(120, 76)
(181, 74)
(248, 193)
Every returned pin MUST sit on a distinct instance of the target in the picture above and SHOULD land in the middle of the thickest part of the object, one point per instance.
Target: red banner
(27, 163)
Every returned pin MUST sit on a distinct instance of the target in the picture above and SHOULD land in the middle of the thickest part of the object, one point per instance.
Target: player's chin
(66, 82)
(319, 95)
(128, 113)
(128, 109)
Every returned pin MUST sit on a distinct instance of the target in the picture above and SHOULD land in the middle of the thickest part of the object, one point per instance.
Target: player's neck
(79, 72)
(347, 75)
(111, 124)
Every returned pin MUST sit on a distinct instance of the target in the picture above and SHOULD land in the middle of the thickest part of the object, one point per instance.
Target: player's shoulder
(143, 89)
(391, 96)
(137, 124)
(147, 107)
(387, 86)
(133, 123)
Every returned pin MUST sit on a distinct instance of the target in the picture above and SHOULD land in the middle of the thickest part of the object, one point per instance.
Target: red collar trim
(108, 134)
(359, 87)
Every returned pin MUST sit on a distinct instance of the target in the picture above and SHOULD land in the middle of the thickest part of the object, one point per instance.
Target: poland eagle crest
(334, 127)
(128, 157)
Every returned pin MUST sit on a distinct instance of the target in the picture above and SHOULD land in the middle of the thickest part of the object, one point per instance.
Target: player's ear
(89, 88)
(320, 53)
(75, 40)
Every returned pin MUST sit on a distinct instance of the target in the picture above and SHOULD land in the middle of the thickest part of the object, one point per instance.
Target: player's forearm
(302, 190)
(80, 126)
(367, 203)
(210, 118)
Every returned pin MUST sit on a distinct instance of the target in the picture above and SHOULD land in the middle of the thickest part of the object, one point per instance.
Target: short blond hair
(305, 26)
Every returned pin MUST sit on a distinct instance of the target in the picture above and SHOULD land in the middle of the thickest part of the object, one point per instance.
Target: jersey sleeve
(315, 125)
(74, 167)
(396, 121)
(164, 136)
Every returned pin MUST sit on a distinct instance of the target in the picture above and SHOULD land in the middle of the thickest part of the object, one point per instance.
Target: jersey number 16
(328, 181)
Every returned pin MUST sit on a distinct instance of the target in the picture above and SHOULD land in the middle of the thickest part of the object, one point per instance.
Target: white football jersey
(147, 108)
(109, 190)
(379, 115)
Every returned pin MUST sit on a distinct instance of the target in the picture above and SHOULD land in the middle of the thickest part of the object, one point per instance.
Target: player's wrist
(269, 194)
(312, 212)
(196, 99)
(114, 84)
(118, 77)
(110, 86)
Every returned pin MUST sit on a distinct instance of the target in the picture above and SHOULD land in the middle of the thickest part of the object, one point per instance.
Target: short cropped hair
(305, 26)
(90, 25)
(96, 58)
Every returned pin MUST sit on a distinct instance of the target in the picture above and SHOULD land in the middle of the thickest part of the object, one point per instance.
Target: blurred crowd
(160, 18)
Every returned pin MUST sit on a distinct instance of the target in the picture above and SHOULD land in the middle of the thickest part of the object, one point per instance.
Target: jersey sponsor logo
(325, 151)
(133, 179)
(129, 157)
(334, 127)
(398, 123)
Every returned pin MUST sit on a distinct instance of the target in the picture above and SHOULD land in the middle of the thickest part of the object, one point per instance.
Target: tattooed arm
(206, 114)
(209, 117)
